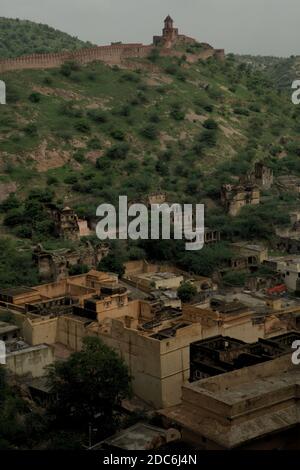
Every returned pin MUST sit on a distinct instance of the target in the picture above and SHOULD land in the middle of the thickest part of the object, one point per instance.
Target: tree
(89, 385)
(210, 124)
(112, 263)
(150, 132)
(186, 292)
(16, 266)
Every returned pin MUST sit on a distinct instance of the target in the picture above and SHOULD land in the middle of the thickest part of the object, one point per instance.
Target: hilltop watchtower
(169, 33)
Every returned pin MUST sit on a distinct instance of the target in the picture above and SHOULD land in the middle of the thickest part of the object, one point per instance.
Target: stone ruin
(247, 191)
(54, 265)
(67, 224)
(234, 197)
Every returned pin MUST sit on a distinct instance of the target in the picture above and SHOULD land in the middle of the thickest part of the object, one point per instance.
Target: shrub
(130, 77)
(98, 116)
(240, 111)
(31, 129)
(150, 132)
(82, 126)
(14, 217)
(35, 97)
(71, 179)
(94, 143)
(208, 138)
(171, 69)
(118, 134)
(68, 67)
(186, 292)
(118, 151)
(51, 180)
(210, 124)
(78, 156)
(154, 118)
(177, 112)
(10, 203)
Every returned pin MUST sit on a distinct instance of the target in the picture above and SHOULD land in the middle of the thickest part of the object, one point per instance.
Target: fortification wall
(113, 54)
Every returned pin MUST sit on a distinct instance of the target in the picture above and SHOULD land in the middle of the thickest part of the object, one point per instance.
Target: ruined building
(220, 354)
(288, 183)
(263, 176)
(234, 197)
(67, 224)
(56, 264)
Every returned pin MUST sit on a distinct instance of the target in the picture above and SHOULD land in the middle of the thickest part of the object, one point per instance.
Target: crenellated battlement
(113, 54)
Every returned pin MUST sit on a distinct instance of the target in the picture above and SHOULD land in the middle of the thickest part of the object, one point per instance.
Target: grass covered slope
(89, 134)
(22, 37)
(281, 70)
(85, 135)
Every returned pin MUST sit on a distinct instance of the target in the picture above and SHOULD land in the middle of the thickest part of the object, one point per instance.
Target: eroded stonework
(54, 265)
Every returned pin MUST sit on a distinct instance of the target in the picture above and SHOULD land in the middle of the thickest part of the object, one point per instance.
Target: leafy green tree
(10, 203)
(16, 266)
(210, 124)
(112, 263)
(119, 151)
(89, 385)
(150, 132)
(35, 97)
(186, 292)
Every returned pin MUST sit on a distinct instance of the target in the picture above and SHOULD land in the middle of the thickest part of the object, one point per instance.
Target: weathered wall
(71, 331)
(30, 360)
(109, 54)
(43, 331)
(158, 368)
(113, 55)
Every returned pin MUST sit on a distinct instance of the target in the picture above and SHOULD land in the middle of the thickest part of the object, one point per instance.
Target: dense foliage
(22, 37)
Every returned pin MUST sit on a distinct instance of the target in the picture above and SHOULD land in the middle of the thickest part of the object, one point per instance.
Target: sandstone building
(153, 340)
(252, 408)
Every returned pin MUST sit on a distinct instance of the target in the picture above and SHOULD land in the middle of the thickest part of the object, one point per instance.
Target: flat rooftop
(285, 258)
(7, 328)
(138, 437)
(247, 389)
(249, 246)
(236, 408)
(159, 276)
(17, 291)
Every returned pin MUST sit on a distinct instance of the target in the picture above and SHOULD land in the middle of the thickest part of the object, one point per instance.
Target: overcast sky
(266, 27)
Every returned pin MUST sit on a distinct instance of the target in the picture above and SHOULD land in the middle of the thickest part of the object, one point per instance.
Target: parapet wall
(113, 55)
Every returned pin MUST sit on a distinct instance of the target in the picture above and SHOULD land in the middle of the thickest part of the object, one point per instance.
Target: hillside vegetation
(22, 37)
(85, 135)
(282, 71)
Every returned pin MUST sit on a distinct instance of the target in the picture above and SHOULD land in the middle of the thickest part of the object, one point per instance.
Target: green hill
(282, 71)
(87, 134)
(22, 37)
